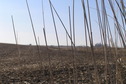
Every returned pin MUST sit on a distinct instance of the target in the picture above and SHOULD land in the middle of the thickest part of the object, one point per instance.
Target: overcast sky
(18, 9)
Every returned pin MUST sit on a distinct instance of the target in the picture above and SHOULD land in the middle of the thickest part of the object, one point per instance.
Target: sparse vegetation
(35, 64)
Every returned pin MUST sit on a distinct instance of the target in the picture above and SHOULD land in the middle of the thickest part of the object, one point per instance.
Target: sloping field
(30, 68)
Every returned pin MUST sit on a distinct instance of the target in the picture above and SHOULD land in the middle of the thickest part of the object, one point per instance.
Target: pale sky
(18, 9)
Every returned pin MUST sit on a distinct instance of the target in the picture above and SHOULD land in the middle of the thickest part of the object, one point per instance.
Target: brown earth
(32, 68)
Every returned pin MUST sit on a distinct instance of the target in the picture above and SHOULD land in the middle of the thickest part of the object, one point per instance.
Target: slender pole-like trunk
(49, 58)
(38, 41)
(67, 44)
(73, 22)
(105, 39)
(15, 36)
(74, 59)
(100, 23)
(122, 12)
(74, 46)
(34, 32)
(57, 38)
(62, 23)
(50, 70)
(70, 39)
(117, 24)
(91, 43)
(70, 25)
(90, 25)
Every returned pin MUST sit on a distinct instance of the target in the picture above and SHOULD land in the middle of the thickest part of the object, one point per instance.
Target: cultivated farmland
(89, 63)
(31, 69)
